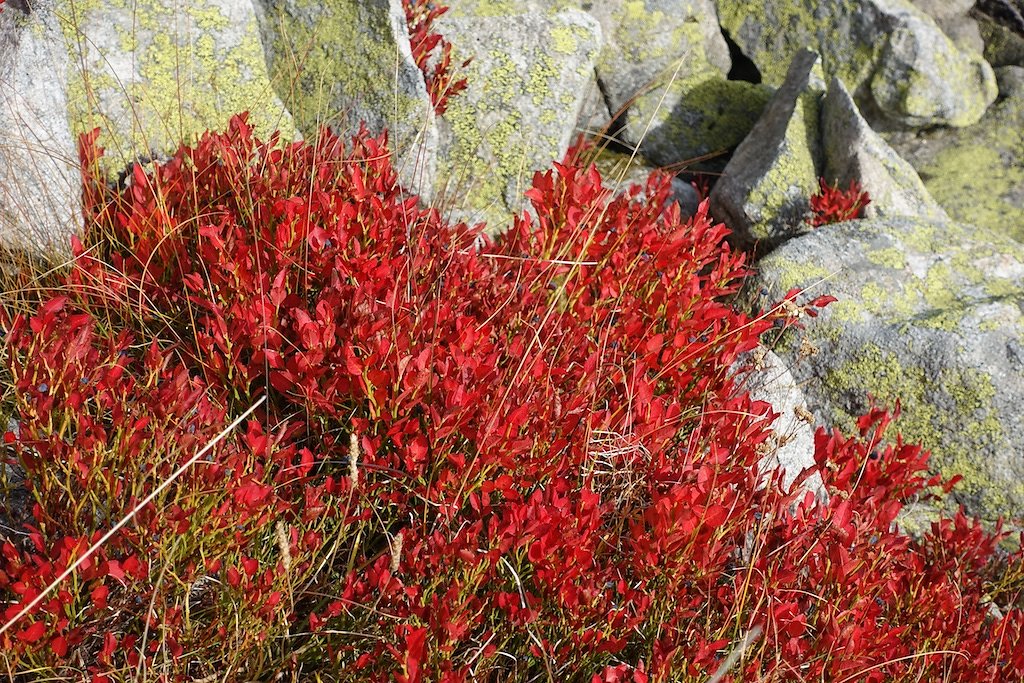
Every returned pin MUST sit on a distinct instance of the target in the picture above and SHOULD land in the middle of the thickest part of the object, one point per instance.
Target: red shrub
(477, 460)
(832, 205)
(432, 53)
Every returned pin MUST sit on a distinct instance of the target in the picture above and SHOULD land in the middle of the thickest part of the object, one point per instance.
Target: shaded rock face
(664, 65)
(343, 63)
(40, 182)
(893, 57)
(526, 86)
(854, 152)
(928, 315)
(152, 74)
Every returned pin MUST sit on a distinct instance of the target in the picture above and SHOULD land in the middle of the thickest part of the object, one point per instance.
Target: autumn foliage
(477, 459)
(432, 53)
(834, 205)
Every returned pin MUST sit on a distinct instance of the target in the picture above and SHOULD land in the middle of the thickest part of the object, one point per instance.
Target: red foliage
(477, 459)
(438, 72)
(832, 205)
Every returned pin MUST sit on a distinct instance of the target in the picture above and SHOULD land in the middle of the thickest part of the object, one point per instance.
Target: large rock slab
(526, 86)
(40, 182)
(890, 55)
(977, 173)
(343, 63)
(929, 315)
(153, 75)
(764, 193)
(855, 152)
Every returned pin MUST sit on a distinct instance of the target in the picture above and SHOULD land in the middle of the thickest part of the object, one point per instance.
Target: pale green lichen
(975, 184)
(890, 257)
(506, 124)
(191, 70)
(951, 414)
(797, 25)
(779, 200)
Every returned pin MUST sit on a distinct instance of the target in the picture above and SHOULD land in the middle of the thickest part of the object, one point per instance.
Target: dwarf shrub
(476, 459)
(834, 205)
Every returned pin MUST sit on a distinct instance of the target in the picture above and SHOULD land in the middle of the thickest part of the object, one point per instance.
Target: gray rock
(526, 86)
(953, 17)
(854, 152)
(595, 118)
(1011, 81)
(1003, 47)
(893, 57)
(346, 62)
(650, 41)
(153, 75)
(976, 173)
(40, 181)
(765, 376)
(764, 192)
(929, 314)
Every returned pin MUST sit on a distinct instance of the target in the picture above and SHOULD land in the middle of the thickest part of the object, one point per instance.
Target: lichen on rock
(346, 63)
(152, 76)
(526, 85)
(888, 53)
(927, 316)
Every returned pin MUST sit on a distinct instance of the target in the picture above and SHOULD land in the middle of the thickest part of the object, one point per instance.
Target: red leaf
(33, 632)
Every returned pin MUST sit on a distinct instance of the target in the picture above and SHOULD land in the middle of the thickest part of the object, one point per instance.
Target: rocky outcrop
(344, 63)
(976, 174)
(892, 57)
(526, 86)
(928, 316)
(40, 183)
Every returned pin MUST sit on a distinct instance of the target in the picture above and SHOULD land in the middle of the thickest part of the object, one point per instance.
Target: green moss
(186, 79)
